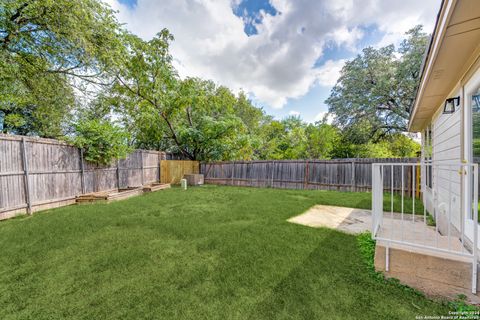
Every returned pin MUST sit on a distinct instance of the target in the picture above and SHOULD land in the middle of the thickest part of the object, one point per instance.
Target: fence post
(159, 158)
(26, 177)
(163, 158)
(233, 171)
(141, 166)
(205, 170)
(82, 171)
(95, 178)
(353, 177)
(305, 186)
(118, 174)
(273, 171)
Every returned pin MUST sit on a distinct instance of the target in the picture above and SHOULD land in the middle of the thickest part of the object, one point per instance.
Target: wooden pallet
(155, 187)
(108, 196)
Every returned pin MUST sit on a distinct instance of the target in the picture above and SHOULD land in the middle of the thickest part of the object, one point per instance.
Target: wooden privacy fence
(40, 173)
(173, 170)
(339, 174)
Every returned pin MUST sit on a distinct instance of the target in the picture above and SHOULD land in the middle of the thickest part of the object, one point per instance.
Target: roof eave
(428, 53)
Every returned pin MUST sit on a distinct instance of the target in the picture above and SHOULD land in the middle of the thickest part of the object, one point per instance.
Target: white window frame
(427, 134)
(470, 88)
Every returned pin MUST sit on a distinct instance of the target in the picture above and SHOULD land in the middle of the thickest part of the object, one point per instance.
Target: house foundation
(435, 274)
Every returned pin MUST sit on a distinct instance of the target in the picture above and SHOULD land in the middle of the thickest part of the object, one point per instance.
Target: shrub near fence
(338, 174)
(38, 173)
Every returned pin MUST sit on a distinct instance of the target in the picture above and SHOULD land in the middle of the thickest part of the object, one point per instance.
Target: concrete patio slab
(356, 221)
(348, 220)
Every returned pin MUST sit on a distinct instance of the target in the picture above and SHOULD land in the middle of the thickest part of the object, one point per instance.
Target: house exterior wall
(452, 143)
(446, 181)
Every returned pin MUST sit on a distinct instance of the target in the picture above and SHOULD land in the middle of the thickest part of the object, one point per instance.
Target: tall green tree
(250, 115)
(394, 146)
(322, 139)
(271, 138)
(375, 90)
(285, 139)
(192, 117)
(207, 122)
(46, 48)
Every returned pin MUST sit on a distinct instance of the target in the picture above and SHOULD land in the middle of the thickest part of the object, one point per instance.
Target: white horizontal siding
(448, 143)
(447, 155)
(446, 138)
(446, 180)
(446, 122)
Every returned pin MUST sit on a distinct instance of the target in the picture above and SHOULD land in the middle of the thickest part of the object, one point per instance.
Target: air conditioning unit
(194, 179)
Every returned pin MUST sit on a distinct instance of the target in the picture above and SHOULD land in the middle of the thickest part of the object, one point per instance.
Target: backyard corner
(246, 159)
(211, 252)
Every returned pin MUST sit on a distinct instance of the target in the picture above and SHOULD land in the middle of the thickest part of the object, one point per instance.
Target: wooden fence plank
(57, 173)
(174, 170)
(82, 171)
(28, 196)
(337, 174)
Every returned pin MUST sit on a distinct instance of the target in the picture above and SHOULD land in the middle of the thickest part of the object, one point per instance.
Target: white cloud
(321, 116)
(347, 37)
(294, 113)
(329, 72)
(278, 62)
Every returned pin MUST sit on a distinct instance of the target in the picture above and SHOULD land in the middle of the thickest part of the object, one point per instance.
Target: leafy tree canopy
(291, 138)
(101, 141)
(376, 89)
(48, 47)
(192, 117)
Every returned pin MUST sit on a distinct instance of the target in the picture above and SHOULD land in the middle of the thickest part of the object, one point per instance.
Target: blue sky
(286, 54)
(249, 10)
(129, 3)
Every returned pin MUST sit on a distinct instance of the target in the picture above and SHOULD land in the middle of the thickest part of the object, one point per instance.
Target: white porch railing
(427, 206)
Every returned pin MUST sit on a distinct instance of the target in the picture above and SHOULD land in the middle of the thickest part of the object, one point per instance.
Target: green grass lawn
(206, 253)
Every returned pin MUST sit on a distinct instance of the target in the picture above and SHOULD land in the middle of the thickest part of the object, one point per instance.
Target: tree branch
(189, 116)
(162, 114)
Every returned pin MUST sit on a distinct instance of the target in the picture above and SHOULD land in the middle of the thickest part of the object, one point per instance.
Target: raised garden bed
(113, 195)
(155, 186)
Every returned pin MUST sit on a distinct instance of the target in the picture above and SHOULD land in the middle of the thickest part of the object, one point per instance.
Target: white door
(471, 107)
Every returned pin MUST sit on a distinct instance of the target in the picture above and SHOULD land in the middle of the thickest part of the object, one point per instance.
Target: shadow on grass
(327, 286)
